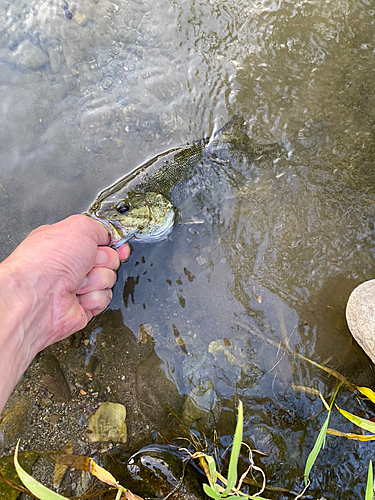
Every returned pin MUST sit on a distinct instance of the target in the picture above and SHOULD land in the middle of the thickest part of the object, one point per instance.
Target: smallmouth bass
(144, 204)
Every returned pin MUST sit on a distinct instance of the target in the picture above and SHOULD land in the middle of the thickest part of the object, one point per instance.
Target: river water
(92, 88)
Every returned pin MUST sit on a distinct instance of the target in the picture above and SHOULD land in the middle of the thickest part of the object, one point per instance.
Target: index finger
(93, 228)
(107, 257)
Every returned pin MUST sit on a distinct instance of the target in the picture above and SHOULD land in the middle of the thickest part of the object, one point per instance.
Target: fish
(144, 205)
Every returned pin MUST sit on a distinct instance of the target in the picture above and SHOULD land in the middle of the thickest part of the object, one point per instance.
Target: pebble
(108, 424)
(30, 55)
(55, 58)
(79, 17)
(46, 402)
(360, 315)
(54, 418)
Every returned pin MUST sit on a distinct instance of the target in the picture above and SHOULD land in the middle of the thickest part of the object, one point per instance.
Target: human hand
(65, 272)
(53, 283)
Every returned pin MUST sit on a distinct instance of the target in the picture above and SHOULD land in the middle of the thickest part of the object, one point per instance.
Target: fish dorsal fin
(231, 129)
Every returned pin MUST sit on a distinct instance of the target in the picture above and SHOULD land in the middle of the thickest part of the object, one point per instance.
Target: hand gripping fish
(144, 204)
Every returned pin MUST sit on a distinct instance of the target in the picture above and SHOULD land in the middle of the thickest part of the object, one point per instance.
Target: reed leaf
(370, 484)
(351, 435)
(368, 393)
(211, 492)
(320, 442)
(40, 491)
(361, 422)
(236, 448)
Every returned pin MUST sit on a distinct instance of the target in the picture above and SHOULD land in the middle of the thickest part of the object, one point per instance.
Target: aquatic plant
(364, 424)
(219, 487)
(320, 442)
(215, 489)
(40, 491)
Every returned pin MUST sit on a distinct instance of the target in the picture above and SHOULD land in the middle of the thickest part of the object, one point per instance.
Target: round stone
(360, 315)
(30, 55)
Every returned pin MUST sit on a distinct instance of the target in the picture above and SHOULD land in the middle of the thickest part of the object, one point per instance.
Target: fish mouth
(119, 236)
(116, 232)
(103, 222)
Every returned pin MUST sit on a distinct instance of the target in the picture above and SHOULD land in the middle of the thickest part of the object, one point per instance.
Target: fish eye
(122, 208)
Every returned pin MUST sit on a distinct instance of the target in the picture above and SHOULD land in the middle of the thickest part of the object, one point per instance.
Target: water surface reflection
(91, 89)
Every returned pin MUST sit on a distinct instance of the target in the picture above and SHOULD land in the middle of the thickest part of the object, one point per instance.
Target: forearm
(44, 296)
(14, 357)
(19, 310)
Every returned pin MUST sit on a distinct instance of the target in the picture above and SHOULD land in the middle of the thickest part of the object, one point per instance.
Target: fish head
(141, 216)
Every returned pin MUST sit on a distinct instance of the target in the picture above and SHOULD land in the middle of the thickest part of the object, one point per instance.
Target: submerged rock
(30, 55)
(108, 424)
(155, 471)
(200, 403)
(54, 378)
(360, 315)
(13, 422)
(156, 394)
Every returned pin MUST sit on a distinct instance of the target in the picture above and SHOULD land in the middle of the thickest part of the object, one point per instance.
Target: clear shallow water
(120, 82)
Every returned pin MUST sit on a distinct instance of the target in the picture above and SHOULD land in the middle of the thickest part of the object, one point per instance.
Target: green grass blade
(217, 496)
(370, 484)
(361, 422)
(211, 467)
(40, 491)
(236, 448)
(320, 442)
(211, 492)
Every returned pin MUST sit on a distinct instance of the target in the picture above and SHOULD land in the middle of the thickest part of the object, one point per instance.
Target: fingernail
(84, 283)
(101, 258)
(122, 258)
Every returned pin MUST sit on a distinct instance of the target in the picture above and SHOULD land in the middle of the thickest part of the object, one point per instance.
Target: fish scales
(143, 205)
(175, 170)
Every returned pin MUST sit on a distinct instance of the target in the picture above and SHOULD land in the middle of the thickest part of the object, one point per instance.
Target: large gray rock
(360, 315)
